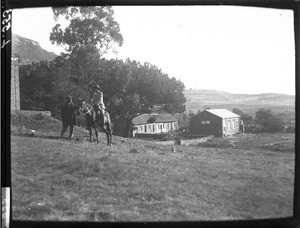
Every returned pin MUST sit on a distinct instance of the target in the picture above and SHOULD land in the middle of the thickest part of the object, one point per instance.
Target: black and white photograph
(152, 113)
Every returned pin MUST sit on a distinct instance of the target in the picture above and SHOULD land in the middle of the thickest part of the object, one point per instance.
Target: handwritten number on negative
(7, 25)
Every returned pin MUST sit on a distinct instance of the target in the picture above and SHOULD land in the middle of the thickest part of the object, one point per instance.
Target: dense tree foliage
(37, 86)
(129, 87)
(268, 121)
(86, 26)
(247, 119)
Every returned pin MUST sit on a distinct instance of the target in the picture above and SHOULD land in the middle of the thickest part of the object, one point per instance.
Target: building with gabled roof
(217, 122)
(154, 123)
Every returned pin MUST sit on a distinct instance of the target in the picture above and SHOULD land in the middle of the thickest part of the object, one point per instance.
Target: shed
(217, 122)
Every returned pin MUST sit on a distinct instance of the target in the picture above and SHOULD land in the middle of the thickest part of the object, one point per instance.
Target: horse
(97, 120)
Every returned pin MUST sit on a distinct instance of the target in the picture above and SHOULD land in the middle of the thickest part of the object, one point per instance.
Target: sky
(235, 49)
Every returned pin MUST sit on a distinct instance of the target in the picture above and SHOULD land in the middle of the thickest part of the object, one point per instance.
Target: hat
(69, 97)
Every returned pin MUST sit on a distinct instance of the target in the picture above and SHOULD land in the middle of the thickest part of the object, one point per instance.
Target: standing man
(68, 116)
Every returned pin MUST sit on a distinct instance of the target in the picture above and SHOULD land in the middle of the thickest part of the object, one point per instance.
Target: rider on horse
(97, 98)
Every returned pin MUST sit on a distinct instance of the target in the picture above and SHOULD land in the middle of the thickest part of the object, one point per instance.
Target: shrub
(290, 129)
(215, 143)
(268, 121)
(172, 136)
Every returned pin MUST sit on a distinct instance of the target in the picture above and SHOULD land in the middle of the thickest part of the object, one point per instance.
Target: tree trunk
(127, 127)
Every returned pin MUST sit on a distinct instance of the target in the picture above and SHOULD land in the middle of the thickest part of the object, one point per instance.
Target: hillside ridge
(198, 99)
(28, 51)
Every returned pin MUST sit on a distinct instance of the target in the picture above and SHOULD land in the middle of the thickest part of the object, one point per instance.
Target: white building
(154, 123)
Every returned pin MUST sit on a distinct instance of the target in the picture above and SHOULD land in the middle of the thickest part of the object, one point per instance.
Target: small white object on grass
(31, 132)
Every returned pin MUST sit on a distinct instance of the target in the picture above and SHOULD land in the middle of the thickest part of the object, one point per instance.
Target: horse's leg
(108, 134)
(108, 137)
(110, 140)
(96, 132)
(90, 130)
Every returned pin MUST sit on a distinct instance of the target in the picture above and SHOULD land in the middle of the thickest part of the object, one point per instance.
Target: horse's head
(81, 104)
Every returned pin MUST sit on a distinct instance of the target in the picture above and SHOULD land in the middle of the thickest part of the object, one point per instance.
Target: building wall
(154, 128)
(206, 123)
(15, 86)
(231, 126)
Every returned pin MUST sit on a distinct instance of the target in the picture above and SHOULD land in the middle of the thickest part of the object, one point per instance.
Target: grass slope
(136, 180)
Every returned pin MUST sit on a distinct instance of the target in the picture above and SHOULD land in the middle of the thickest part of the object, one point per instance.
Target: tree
(87, 26)
(155, 87)
(44, 85)
(191, 114)
(263, 116)
(237, 111)
(129, 88)
(36, 86)
(90, 33)
(127, 107)
(269, 122)
(247, 119)
(134, 88)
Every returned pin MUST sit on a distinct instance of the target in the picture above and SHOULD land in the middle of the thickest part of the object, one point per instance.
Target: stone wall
(31, 112)
(15, 86)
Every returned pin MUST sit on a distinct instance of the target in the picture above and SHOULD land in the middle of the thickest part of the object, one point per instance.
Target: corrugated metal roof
(223, 113)
(159, 118)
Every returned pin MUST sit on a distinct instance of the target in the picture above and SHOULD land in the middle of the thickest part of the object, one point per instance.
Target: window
(205, 122)
(228, 125)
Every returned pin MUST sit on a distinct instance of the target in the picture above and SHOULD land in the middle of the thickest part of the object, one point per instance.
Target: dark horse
(97, 120)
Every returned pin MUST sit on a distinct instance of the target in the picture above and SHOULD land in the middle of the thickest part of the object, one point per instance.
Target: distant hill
(29, 50)
(248, 103)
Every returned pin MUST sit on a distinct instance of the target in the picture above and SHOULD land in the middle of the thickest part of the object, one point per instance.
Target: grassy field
(239, 177)
(136, 180)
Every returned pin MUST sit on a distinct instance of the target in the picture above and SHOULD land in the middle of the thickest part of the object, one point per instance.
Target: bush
(290, 129)
(269, 122)
(173, 136)
(215, 143)
(253, 128)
